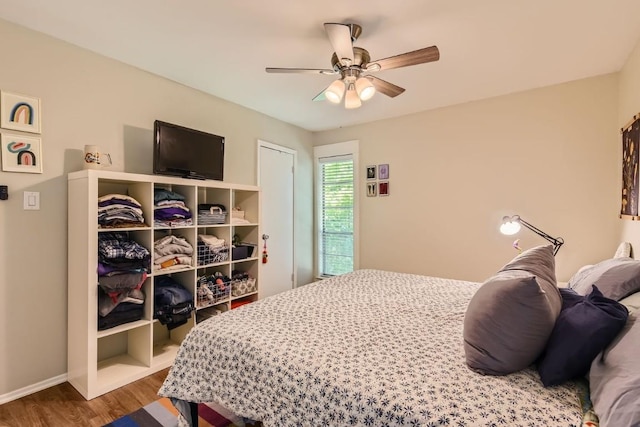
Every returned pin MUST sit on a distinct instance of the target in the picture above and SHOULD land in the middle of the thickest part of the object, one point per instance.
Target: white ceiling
(487, 47)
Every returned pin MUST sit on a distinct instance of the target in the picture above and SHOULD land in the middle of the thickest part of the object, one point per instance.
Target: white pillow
(623, 251)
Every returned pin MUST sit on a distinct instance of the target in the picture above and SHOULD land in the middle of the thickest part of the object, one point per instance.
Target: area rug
(162, 413)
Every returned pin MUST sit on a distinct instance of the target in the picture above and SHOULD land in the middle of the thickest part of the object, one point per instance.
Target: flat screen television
(188, 153)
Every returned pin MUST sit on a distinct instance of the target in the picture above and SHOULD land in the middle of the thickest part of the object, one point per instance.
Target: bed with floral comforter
(369, 348)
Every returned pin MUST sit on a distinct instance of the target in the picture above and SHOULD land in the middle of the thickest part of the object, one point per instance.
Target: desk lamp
(511, 225)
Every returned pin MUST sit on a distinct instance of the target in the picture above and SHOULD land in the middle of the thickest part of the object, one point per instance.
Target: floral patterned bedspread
(369, 348)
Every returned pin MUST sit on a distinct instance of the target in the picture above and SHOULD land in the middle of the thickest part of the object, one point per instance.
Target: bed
(369, 348)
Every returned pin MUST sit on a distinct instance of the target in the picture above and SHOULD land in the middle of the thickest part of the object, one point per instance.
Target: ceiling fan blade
(340, 38)
(300, 70)
(420, 56)
(385, 87)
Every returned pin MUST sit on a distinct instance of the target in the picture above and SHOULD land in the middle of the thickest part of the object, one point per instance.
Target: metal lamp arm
(556, 241)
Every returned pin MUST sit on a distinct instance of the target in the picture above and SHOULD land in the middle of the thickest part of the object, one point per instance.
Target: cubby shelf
(100, 361)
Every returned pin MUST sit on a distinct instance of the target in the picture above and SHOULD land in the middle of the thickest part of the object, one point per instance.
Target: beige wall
(547, 154)
(629, 106)
(89, 99)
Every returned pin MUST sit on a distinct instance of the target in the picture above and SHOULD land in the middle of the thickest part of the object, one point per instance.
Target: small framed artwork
(21, 153)
(372, 189)
(630, 160)
(371, 172)
(383, 188)
(19, 112)
(383, 171)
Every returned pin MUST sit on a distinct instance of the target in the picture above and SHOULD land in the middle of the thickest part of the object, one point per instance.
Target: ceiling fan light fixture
(351, 99)
(335, 92)
(365, 88)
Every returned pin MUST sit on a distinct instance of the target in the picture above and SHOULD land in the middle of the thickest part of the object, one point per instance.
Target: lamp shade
(365, 88)
(335, 91)
(352, 100)
(510, 225)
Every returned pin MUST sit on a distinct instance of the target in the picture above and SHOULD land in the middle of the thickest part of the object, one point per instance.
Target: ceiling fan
(354, 66)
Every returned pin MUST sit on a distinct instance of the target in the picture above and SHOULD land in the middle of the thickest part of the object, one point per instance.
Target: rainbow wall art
(22, 113)
(19, 112)
(21, 154)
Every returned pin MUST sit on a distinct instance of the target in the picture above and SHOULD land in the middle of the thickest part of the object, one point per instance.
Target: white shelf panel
(118, 368)
(221, 302)
(111, 230)
(215, 264)
(173, 271)
(248, 294)
(164, 352)
(236, 261)
(123, 328)
(178, 227)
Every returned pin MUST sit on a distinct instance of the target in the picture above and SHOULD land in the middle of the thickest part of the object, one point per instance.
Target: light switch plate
(31, 201)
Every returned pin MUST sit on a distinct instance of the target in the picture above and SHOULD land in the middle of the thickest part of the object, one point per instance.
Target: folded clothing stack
(118, 211)
(237, 217)
(122, 310)
(172, 252)
(122, 269)
(169, 209)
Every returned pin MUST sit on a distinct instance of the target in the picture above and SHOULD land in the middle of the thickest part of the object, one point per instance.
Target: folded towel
(211, 241)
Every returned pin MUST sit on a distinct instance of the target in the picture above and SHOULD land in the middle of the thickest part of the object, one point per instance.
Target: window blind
(336, 215)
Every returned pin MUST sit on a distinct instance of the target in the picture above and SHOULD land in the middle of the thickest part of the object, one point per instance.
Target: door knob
(265, 236)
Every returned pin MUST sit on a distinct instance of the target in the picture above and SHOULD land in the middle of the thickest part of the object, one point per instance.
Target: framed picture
(383, 171)
(371, 172)
(383, 187)
(21, 153)
(630, 162)
(372, 189)
(19, 112)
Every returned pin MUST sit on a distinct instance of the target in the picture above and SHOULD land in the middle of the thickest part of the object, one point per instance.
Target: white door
(276, 165)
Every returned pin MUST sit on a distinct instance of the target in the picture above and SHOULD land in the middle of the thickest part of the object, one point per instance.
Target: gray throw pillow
(511, 316)
(616, 278)
(538, 261)
(614, 378)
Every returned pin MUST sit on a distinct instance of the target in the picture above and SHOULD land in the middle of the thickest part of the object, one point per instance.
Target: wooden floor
(62, 405)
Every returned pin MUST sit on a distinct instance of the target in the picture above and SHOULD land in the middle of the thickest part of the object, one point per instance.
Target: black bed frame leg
(194, 414)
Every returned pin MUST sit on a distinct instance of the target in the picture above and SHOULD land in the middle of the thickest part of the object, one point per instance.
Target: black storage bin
(242, 251)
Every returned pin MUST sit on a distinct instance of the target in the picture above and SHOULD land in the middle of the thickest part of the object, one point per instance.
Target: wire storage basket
(206, 255)
(212, 288)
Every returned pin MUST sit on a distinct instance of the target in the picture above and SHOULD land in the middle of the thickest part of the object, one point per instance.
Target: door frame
(262, 143)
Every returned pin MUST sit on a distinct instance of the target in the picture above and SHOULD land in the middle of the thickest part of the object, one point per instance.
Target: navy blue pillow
(586, 325)
(569, 297)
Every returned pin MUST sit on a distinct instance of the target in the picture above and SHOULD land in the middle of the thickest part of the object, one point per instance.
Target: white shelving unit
(100, 361)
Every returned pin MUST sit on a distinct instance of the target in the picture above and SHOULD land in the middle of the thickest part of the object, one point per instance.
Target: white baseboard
(33, 388)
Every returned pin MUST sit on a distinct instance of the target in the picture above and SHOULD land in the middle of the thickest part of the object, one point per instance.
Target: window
(336, 190)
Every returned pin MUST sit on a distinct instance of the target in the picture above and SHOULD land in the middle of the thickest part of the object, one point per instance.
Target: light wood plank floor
(62, 405)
